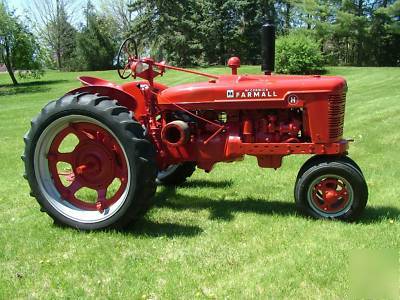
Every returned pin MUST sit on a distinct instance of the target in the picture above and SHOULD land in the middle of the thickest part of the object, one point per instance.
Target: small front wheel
(331, 189)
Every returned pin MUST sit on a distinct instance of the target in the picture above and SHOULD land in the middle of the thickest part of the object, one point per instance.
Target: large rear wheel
(88, 164)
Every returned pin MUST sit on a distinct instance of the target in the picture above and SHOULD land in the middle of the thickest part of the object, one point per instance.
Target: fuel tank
(250, 92)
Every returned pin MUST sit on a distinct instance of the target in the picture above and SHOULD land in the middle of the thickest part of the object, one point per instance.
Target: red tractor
(93, 157)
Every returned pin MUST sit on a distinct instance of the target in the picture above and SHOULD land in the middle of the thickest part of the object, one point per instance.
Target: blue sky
(21, 5)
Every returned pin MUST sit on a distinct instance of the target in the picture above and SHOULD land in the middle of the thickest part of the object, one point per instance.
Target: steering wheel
(126, 54)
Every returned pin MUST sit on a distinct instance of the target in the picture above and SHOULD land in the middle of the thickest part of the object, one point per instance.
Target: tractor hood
(234, 88)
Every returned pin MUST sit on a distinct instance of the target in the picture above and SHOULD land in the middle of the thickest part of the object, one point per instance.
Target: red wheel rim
(96, 161)
(330, 195)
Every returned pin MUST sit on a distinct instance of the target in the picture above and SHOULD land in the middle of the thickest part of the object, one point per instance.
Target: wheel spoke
(80, 134)
(342, 193)
(104, 139)
(319, 196)
(58, 156)
(121, 173)
(326, 184)
(68, 193)
(101, 195)
(75, 186)
(101, 203)
(66, 157)
(325, 206)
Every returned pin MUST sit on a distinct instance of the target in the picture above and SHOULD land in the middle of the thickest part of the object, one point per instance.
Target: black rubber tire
(340, 166)
(139, 151)
(317, 159)
(179, 176)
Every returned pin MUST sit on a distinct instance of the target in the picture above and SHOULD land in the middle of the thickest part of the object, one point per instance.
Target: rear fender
(134, 100)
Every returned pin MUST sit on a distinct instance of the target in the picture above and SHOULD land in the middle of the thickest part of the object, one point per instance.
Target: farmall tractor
(93, 158)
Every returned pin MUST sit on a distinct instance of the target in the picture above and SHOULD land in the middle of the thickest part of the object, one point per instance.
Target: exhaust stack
(268, 47)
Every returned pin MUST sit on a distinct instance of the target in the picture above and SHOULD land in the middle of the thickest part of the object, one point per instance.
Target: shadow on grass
(201, 183)
(28, 87)
(224, 209)
(153, 229)
(378, 214)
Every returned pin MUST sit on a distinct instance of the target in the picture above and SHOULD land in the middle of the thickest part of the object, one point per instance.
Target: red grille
(336, 115)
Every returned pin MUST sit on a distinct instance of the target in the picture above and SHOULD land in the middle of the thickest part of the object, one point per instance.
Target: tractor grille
(336, 115)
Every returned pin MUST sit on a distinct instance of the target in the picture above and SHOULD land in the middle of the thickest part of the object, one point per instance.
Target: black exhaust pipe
(268, 47)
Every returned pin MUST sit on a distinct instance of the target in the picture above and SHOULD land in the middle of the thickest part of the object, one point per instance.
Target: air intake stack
(268, 47)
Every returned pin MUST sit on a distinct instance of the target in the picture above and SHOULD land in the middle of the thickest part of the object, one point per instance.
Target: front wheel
(88, 164)
(330, 188)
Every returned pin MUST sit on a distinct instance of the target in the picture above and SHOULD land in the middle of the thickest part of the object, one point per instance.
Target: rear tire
(111, 146)
(177, 174)
(331, 188)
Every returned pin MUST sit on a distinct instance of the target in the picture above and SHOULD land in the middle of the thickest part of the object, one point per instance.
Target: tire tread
(118, 116)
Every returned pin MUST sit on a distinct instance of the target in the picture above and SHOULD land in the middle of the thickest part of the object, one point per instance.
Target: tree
(207, 32)
(97, 41)
(119, 11)
(193, 32)
(384, 35)
(18, 48)
(55, 29)
(167, 29)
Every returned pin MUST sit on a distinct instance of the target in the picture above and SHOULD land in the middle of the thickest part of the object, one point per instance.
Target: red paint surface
(265, 116)
(95, 161)
(330, 195)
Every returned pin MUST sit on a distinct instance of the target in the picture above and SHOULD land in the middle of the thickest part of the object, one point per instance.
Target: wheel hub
(94, 163)
(330, 195)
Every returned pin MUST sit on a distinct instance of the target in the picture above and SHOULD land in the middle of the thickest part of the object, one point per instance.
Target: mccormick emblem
(251, 93)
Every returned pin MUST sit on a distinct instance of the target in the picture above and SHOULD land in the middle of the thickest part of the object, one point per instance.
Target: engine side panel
(241, 92)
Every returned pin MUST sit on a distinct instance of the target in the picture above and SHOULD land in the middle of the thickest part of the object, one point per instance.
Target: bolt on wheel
(96, 164)
(331, 188)
(88, 163)
(330, 195)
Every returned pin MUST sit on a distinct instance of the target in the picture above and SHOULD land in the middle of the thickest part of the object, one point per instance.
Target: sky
(21, 5)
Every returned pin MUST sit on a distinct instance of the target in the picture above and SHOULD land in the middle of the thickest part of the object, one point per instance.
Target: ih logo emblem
(230, 93)
(293, 99)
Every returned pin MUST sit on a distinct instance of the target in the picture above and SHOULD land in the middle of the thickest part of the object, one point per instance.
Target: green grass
(233, 233)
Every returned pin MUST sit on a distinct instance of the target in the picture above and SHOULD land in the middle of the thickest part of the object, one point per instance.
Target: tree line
(348, 32)
(196, 32)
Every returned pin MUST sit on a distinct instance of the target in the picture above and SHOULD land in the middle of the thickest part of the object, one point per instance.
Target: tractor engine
(208, 136)
(271, 126)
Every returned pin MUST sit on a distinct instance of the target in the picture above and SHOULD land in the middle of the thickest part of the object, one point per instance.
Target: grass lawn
(233, 233)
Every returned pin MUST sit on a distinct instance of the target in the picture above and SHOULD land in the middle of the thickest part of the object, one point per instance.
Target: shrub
(298, 53)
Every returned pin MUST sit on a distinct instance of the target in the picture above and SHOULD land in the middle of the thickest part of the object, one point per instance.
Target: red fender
(134, 101)
(128, 94)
